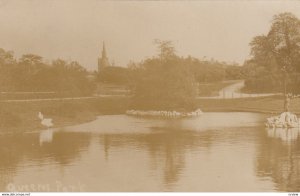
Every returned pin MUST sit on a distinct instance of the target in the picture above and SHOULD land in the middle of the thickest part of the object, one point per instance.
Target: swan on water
(47, 122)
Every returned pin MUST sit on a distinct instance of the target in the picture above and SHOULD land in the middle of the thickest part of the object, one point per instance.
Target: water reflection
(21, 150)
(64, 147)
(46, 136)
(165, 147)
(169, 147)
(287, 135)
(278, 158)
(131, 154)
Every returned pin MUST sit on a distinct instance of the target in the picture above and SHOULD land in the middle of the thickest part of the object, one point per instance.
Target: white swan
(47, 122)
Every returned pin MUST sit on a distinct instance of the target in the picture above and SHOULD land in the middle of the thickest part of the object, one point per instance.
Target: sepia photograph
(149, 96)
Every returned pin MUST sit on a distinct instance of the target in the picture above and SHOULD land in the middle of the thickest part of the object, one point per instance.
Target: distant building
(103, 61)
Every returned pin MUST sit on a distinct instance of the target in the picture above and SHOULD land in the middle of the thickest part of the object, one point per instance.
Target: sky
(76, 29)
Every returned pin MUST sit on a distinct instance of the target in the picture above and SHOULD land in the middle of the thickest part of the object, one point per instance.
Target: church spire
(103, 60)
(104, 51)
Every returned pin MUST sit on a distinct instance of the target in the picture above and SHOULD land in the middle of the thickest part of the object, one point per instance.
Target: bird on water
(47, 122)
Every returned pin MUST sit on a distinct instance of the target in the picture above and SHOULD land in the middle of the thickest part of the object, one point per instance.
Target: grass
(272, 104)
(22, 116)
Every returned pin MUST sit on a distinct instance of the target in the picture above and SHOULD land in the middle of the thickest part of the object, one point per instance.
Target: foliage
(272, 53)
(205, 71)
(169, 82)
(114, 75)
(164, 82)
(233, 72)
(31, 73)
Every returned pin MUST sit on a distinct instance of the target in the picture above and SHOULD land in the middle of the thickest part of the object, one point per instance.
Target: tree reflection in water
(164, 156)
(65, 146)
(166, 148)
(19, 148)
(279, 158)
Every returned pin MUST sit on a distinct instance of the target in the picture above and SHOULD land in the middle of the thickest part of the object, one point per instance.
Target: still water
(213, 152)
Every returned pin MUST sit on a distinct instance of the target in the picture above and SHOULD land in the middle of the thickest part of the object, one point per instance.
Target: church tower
(103, 61)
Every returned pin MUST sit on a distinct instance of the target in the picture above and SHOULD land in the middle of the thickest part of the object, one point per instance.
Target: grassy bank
(273, 104)
(23, 116)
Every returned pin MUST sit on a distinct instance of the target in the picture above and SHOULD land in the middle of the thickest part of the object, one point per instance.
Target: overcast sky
(75, 29)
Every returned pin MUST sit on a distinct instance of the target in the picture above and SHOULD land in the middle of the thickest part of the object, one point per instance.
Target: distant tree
(31, 73)
(6, 57)
(70, 77)
(205, 71)
(233, 72)
(114, 75)
(166, 49)
(7, 62)
(31, 59)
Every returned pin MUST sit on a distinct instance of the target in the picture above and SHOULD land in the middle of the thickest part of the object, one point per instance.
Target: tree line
(274, 63)
(31, 73)
(204, 71)
(167, 81)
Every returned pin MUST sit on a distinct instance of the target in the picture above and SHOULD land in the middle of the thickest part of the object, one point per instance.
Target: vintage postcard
(149, 96)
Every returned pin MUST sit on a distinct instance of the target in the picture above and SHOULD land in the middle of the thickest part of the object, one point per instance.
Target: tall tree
(274, 52)
(284, 38)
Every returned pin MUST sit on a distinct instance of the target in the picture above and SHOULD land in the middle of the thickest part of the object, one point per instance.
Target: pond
(213, 152)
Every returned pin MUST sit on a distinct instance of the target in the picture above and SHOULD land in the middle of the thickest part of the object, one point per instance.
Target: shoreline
(23, 116)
